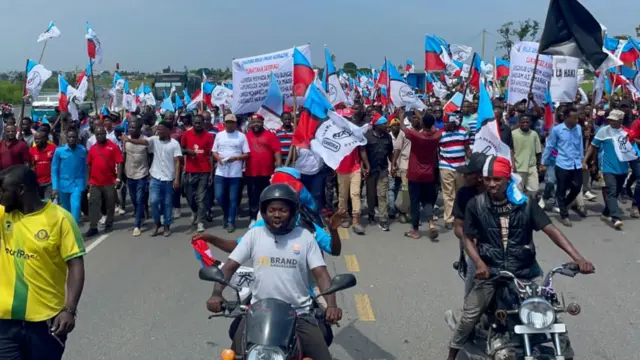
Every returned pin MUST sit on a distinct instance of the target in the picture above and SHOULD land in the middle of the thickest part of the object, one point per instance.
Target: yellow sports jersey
(33, 267)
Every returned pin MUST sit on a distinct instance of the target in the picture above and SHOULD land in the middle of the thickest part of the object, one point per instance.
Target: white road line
(97, 242)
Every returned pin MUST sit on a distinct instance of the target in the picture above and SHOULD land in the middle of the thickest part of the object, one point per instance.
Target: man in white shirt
(230, 149)
(165, 174)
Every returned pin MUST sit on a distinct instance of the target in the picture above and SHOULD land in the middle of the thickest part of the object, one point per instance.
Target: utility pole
(484, 33)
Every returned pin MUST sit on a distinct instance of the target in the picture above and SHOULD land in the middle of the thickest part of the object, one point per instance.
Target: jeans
(72, 202)
(377, 189)
(421, 193)
(567, 180)
(330, 187)
(614, 186)
(309, 332)
(196, 186)
(137, 190)
(255, 185)
(315, 186)
(550, 182)
(227, 193)
(395, 184)
(475, 304)
(99, 196)
(29, 340)
(161, 197)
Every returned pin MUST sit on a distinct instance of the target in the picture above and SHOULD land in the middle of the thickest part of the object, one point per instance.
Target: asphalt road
(143, 298)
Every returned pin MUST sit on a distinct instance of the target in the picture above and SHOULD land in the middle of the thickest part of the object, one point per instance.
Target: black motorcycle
(522, 321)
(270, 331)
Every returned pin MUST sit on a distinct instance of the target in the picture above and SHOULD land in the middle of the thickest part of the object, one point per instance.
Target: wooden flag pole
(93, 86)
(24, 90)
(43, 49)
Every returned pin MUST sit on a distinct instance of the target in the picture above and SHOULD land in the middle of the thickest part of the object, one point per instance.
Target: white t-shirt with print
(228, 145)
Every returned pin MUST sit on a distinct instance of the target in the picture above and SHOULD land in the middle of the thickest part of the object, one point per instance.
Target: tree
(622, 37)
(350, 68)
(638, 30)
(512, 32)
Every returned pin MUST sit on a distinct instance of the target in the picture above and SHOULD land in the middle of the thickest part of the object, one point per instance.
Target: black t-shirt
(472, 226)
(464, 195)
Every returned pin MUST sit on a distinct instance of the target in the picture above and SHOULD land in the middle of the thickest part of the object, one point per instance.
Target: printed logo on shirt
(296, 249)
(20, 254)
(42, 235)
(279, 262)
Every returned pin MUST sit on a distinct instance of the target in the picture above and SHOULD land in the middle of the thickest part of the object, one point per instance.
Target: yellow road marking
(352, 263)
(344, 233)
(363, 305)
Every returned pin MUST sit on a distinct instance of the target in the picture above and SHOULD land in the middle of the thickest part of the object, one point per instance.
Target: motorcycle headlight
(537, 312)
(260, 352)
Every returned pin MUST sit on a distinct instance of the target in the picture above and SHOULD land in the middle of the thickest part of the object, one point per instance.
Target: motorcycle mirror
(340, 282)
(212, 273)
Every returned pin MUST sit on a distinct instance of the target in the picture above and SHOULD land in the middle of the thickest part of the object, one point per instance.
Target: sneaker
(384, 226)
(555, 209)
(402, 218)
(435, 217)
(358, 229)
(200, 228)
(176, 213)
(91, 233)
(167, 231)
(617, 224)
(136, 232)
(541, 203)
(589, 196)
(103, 220)
(566, 222)
(605, 218)
(635, 213)
(581, 211)
(194, 218)
(120, 211)
(230, 228)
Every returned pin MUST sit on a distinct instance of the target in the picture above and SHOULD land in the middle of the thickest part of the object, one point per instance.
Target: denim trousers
(227, 193)
(161, 198)
(315, 186)
(137, 189)
(614, 186)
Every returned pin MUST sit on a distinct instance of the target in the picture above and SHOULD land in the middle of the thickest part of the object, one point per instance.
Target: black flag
(571, 30)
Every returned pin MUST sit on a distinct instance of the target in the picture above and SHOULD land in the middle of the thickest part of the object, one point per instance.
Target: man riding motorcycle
(502, 222)
(283, 255)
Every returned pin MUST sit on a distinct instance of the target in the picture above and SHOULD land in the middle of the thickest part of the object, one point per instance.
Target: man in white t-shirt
(165, 174)
(230, 149)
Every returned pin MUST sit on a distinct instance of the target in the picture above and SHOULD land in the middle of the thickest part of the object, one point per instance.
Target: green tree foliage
(513, 32)
(622, 37)
(350, 68)
(638, 30)
(10, 92)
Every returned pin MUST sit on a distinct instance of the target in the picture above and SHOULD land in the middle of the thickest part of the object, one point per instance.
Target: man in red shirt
(104, 166)
(425, 139)
(264, 149)
(41, 158)
(196, 147)
(349, 179)
(12, 150)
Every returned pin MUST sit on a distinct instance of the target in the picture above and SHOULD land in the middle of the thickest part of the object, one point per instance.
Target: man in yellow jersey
(41, 267)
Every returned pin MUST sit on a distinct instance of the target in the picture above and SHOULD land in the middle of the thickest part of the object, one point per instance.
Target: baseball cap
(474, 165)
(616, 115)
(230, 117)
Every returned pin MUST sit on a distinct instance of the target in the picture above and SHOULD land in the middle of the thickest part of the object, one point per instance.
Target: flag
(67, 94)
(303, 74)
(460, 52)
(94, 48)
(179, 103)
(400, 92)
(454, 104)
(548, 110)
(330, 82)
(620, 140)
(314, 111)
(36, 77)
(409, 68)
(104, 111)
(82, 82)
(167, 105)
(631, 75)
(185, 95)
(434, 54)
(272, 107)
(475, 71)
(570, 30)
(202, 252)
(502, 68)
(51, 32)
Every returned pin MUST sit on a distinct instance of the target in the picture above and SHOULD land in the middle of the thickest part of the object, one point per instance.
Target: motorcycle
(270, 331)
(522, 321)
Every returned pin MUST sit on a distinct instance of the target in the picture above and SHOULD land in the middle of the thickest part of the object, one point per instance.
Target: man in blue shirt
(566, 138)
(69, 174)
(614, 170)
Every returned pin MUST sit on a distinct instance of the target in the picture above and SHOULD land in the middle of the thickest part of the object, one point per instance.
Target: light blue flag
(485, 107)
(167, 105)
(179, 103)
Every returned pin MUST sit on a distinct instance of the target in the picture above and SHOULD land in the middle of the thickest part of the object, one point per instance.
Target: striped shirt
(469, 123)
(285, 138)
(453, 148)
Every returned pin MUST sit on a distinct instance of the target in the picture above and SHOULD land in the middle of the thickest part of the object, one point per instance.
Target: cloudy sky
(149, 35)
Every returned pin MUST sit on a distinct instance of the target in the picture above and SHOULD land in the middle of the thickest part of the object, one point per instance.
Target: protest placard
(252, 75)
(564, 80)
(523, 59)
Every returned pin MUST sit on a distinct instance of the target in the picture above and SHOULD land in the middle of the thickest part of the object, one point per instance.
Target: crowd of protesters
(411, 159)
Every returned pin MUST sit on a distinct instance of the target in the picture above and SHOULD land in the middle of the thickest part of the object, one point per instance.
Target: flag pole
(533, 77)
(24, 89)
(93, 85)
(43, 49)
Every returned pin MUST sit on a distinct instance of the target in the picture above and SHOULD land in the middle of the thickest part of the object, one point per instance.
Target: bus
(163, 82)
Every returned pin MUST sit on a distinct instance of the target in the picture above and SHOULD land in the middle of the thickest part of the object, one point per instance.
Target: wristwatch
(71, 311)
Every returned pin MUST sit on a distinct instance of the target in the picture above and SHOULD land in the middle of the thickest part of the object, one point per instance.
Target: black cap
(474, 165)
(626, 102)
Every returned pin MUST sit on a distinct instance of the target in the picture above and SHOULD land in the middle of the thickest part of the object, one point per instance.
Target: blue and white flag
(51, 32)
(36, 76)
(273, 106)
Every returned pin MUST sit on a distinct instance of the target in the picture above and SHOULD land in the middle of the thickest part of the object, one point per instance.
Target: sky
(146, 35)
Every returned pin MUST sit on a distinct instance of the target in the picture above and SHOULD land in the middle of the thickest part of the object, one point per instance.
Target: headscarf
(378, 119)
(497, 166)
